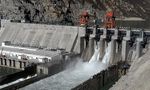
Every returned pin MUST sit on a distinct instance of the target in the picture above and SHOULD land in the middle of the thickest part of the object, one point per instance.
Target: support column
(102, 48)
(125, 46)
(24, 64)
(20, 63)
(1, 61)
(113, 60)
(117, 48)
(17, 64)
(138, 49)
(10, 63)
(7, 61)
(91, 47)
(124, 50)
(113, 52)
(82, 44)
(13, 63)
(140, 39)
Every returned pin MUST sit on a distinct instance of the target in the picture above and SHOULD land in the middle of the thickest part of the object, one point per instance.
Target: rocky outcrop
(62, 11)
(138, 76)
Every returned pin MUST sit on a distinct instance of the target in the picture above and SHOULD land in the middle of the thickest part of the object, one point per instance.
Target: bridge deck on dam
(44, 36)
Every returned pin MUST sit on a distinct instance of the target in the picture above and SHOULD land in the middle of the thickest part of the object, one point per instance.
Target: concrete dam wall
(73, 39)
(43, 36)
(23, 44)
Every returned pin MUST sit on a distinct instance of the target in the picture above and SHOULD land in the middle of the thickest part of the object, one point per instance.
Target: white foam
(95, 56)
(107, 56)
(74, 76)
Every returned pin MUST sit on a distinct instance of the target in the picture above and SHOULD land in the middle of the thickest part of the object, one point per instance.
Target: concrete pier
(82, 44)
(139, 45)
(117, 47)
(113, 52)
(102, 48)
(17, 64)
(138, 49)
(103, 43)
(91, 47)
(113, 47)
(125, 45)
(124, 50)
(139, 40)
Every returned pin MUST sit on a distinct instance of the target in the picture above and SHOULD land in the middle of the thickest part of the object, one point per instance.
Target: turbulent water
(69, 78)
(106, 57)
(95, 56)
(73, 76)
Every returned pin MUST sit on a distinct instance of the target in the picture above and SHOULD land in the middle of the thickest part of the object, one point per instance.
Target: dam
(66, 56)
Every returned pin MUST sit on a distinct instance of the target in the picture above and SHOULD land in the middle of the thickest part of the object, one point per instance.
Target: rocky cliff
(138, 76)
(62, 11)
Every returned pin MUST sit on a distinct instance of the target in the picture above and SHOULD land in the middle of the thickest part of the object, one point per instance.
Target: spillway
(107, 57)
(74, 76)
(95, 57)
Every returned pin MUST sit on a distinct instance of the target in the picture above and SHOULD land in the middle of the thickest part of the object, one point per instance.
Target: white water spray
(95, 56)
(107, 56)
(73, 76)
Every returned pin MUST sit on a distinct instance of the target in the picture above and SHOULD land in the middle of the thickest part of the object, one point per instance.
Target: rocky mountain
(64, 11)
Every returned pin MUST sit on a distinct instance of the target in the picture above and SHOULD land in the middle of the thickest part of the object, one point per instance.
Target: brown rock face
(138, 76)
(68, 11)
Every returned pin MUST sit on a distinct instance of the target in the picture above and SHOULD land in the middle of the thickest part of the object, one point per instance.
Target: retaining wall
(20, 74)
